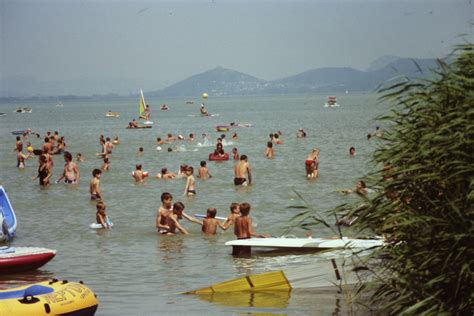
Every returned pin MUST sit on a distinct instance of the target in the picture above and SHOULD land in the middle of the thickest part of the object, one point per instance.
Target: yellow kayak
(49, 298)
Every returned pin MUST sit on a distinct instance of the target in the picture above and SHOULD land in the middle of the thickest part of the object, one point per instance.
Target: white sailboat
(144, 111)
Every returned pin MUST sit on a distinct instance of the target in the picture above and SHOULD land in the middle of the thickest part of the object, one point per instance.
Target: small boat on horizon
(24, 110)
(60, 104)
(112, 114)
(331, 102)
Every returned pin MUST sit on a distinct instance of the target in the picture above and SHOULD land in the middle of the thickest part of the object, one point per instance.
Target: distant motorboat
(189, 102)
(3, 114)
(60, 105)
(112, 114)
(24, 110)
(331, 102)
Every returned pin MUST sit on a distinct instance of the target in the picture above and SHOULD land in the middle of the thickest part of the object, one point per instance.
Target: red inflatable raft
(213, 157)
(17, 259)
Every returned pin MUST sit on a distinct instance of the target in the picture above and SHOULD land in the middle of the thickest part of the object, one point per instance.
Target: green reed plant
(425, 179)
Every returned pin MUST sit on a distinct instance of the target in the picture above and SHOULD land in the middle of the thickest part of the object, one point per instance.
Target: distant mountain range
(224, 82)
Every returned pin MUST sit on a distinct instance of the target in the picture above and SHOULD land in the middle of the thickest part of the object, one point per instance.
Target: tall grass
(424, 176)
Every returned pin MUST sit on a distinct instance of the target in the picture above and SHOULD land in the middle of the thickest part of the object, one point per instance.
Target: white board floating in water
(99, 226)
(323, 243)
(204, 216)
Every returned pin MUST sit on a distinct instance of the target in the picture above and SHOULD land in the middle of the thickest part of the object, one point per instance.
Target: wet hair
(203, 163)
(139, 167)
(140, 149)
(362, 184)
(166, 196)
(158, 139)
(178, 206)
(67, 156)
(352, 149)
(170, 135)
(271, 135)
(219, 146)
(191, 135)
(269, 144)
(108, 139)
(18, 138)
(46, 139)
(234, 205)
(191, 169)
(222, 136)
(211, 212)
(170, 149)
(244, 209)
(96, 172)
(243, 157)
(164, 170)
(276, 136)
(234, 150)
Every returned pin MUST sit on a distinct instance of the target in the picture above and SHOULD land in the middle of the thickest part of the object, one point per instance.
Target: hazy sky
(118, 46)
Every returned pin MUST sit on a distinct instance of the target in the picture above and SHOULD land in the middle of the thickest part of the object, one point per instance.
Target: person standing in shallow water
(312, 163)
(241, 170)
(71, 172)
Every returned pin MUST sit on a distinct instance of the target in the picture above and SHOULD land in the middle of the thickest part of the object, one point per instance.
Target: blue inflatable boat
(7, 217)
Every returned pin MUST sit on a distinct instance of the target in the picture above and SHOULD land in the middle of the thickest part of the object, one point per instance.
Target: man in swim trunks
(241, 169)
(94, 185)
(71, 173)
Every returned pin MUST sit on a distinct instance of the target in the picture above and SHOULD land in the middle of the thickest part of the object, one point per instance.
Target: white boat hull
(317, 243)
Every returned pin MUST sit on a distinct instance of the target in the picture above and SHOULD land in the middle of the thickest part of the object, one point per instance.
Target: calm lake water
(134, 270)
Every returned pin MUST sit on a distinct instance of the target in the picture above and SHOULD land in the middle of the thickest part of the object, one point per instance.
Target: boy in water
(234, 213)
(235, 153)
(79, 157)
(173, 218)
(269, 150)
(210, 223)
(203, 172)
(101, 216)
(94, 185)
(138, 174)
(165, 210)
(190, 188)
(243, 230)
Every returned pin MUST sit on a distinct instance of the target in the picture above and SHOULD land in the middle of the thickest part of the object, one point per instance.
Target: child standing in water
(190, 188)
(269, 150)
(172, 219)
(101, 216)
(234, 213)
(243, 230)
(210, 223)
(94, 185)
(203, 172)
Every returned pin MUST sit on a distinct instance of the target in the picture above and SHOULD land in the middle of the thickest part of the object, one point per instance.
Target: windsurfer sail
(144, 110)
